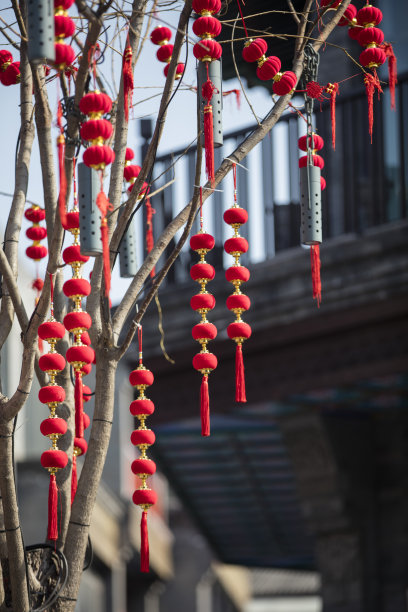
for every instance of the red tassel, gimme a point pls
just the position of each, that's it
(79, 406)
(316, 281)
(208, 91)
(61, 164)
(371, 82)
(149, 230)
(104, 206)
(205, 407)
(127, 79)
(74, 478)
(237, 96)
(240, 395)
(333, 90)
(392, 70)
(53, 509)
(144, 544)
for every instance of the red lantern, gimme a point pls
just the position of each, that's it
(370, 36)
(11, 75)
(369, 16)
(179, 71)
(207, 27)
(5, 59)
(96, 130)
(207, 50)
(254, 50)
(36, 251)
(372, 57)
(64, 27)
(164, 53)
(95, 104)
(268, 68)
(207, 7)
(160, 36)
(284, 83)
(349, 16)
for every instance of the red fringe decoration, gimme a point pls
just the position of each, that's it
(61, 164)
(53, 509)
(74, 478)
(127, 79)
(333, 90)
(237, 96)
(371, 82)
(144, 544)
(79, 405)
(240, 395)
(207, 91)
(205, 407)
(316, 281)
(149, 231)
(104, 206)
(392, 70)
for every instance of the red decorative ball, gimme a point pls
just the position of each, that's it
(38, 284)
(369, 16)
(129, 154)
(368, 36)
(63, 5)
(85, 339)
(348, 16)
(131, 172)
(322, 183)
(317, 161)
(202, 301)
(354, 32)
(80, 354)
(236, 216)
(269, 68)
(207, 6)
(5, 59)
(237, 273)
(98, 156)
(160, 35)
(53, 426)
(50, 394)
(77, 320)
(95, 103)
(200, 242)
(86, 393)
(77, 286)
(72, 220)
(80, 445)
(141, 377)
(143, 466)
(202, 271)
(35, 214)
(204, 361)
(72, 254)
(164, 53)
(208, 26)
(51, 330)
(87, 420)
(207, 50)
(54, 459)
(36, 233)
(145, 189)
(144, 497)
(316, 142)
(239, 301)
(86, 369)
(64, 55)
(204, 331)
(36, 252)
(236, 245)
(372, 58)
(254, 50)
(11, 76)
(239, 330)
(141, 406)
(64, 26)
(179, 71)
(96, 128)
(285, 84)
(142, 436)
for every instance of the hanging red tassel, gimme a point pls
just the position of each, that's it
(61, 164)
(53, 509)
(240, 395)
(392, 70)
(149, 231)
(237, 96)
(371, 82)
(333, 90)
(127, 79)
(74, 478)
(205, 407)
(104, 206)
(144, 544)
(79, 405)
(208, 91)
(316, 281)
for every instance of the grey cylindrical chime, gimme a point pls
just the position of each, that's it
(310, 205)
(89, 214)
(40, 22)
(214, 72)
(127, 252)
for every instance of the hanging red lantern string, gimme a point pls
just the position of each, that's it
(238, 303)
(161, 36)
(64, 28)
(54, 427)
(202, 303)
(97, 156)
(143, 467)
(392, 70)
(35, 215)
(9, 70)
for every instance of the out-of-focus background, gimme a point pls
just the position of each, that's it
(298, 501)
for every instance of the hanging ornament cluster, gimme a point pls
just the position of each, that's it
(161, 36)
(238, 302)
(52, 363)
(64, 28)
(268, 67)
(9, 70)
(142, 437)
(36, 233)
(313, 143)
(207, 50)
(131, 172)
(204, 362)
(98, 155)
